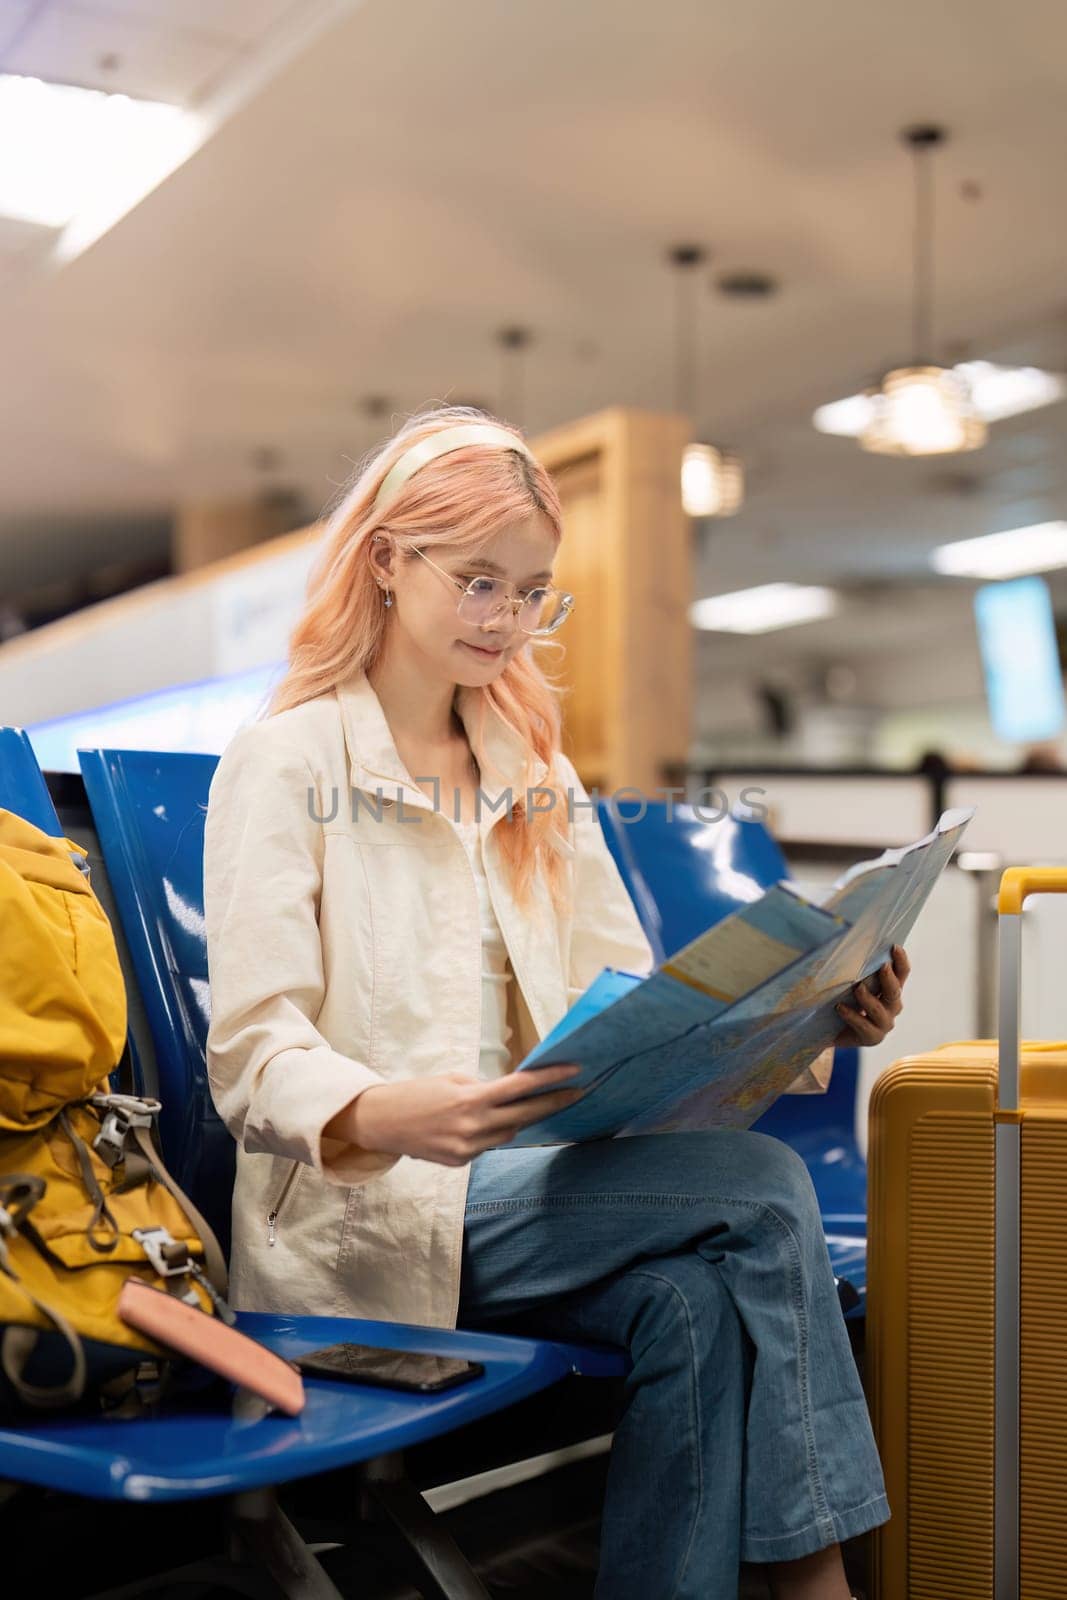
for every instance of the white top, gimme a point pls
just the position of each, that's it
(496, 967)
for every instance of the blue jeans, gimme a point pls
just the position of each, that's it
(744, 1433)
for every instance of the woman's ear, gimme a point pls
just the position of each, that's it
(381, 557)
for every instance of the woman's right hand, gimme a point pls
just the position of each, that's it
(450, 1117)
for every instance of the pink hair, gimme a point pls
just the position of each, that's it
(461, 499)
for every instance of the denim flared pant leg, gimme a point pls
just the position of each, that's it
(744, 1433)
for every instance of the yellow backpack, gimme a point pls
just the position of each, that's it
(85, 1200)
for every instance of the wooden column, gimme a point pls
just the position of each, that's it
(210, 531)
(626, 559)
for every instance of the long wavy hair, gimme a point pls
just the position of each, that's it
(462, 499)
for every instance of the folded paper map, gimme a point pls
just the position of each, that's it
(715, 1034)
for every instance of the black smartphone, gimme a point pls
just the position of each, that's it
(392, 1369)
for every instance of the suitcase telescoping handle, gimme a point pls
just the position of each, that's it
(1016, 885)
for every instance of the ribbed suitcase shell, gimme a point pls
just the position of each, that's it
(930, 1321)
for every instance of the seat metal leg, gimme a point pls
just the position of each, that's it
(262, 1536)
(439, 1561)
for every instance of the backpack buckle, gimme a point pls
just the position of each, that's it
(124, 1111)
(168, 1255)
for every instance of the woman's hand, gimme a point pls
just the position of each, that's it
(450, 1117)
(874, 1015)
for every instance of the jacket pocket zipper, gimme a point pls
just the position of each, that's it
(272, 1214)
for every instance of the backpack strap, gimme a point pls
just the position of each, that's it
(17, 1346)
(101, 1214)
(214, 1262)
(20, 1192)
(130, 1117)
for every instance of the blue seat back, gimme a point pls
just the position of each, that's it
(22, 786)
(686, 873)
(149, 810)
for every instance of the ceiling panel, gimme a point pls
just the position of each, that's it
(246, 20)
(69, 45)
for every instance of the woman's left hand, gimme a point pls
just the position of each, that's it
(873, 1016)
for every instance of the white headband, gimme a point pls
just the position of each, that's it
(439, 444)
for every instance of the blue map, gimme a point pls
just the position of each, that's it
(715, 1034)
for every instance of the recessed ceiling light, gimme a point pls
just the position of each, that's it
(1037, 548)
(997, 392)
(765, 608)
(747, 285)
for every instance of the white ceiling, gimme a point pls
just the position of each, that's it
(173, 50)
(419, 175)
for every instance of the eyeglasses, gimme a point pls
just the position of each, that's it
(540, 611)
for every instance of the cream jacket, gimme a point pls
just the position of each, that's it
(343, 952)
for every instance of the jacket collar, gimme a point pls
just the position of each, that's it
(376, 762)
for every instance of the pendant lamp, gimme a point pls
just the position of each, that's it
(713, 480)
(924, 409)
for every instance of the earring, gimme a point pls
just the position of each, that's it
(388, 596)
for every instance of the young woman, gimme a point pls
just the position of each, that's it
(384, 949)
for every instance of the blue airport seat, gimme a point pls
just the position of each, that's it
(22, 786)
(204, 1451)
(683, 876)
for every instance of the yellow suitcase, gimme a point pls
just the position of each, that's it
(967, 1305)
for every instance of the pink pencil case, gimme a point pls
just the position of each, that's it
(205, 1339)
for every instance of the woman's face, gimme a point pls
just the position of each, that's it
(425, 615)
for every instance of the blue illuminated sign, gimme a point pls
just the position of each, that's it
(1017, 637)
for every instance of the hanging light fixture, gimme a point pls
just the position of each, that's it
(924, 409)
(713, 479)
(513, 342)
